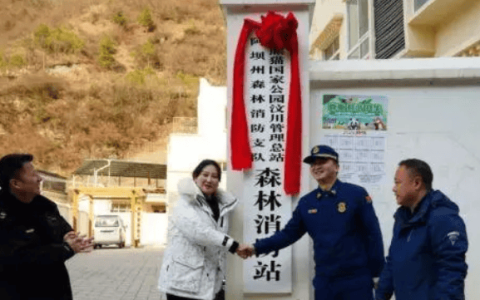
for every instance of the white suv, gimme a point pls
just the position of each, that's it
(109, 229)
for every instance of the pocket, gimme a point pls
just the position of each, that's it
(186, 273)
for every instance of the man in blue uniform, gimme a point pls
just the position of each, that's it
(426, 259)
(340, 219)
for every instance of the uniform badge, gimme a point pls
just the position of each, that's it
(312, 211)
(369, 199)
(315, 150)
(319, 195)
(453, 236)
(342, 207)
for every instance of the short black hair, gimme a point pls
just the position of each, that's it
(203, 164)
(417, 167)
(9, 166)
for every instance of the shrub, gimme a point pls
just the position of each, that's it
(42, 36)
(120, 19)
(147, 56)
(107, 49)
(66, 41)
(58, 39)
(145, 19)
(139, 76)
(17, 60)
(148, 49)
(192, 29)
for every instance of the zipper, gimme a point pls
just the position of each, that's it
(203, 206)
(228, 206)
(410, 235)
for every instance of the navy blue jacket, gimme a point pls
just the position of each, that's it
(344, 228)
(426, 259)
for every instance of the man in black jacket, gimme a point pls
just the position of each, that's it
(35, 241)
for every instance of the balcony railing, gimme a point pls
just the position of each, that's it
(436, 12)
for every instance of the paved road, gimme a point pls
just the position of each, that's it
(116, 274)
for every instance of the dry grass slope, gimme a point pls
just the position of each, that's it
(59, 99)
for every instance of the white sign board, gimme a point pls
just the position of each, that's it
(267, 208)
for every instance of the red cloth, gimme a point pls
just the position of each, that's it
(277, 32)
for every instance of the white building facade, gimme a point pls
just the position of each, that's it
(186, 150)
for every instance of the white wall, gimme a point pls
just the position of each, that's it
(154, 229)
(433, 118)
(185, 151)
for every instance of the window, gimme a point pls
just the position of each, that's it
(358, 29)
(57, 186)
(159, 208)
(332, 52)
(120, 207)
(106, 221)
(419, 3)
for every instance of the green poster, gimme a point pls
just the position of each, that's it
(355, 112)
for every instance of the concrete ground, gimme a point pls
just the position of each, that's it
(116, 274)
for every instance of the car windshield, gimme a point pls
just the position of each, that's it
(106, 222)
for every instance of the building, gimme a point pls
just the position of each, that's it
(54, 187)
(133, 190)
(195, 139)
(380, 29)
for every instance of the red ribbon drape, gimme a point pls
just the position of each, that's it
(277, 32)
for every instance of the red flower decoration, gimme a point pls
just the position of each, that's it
(276, 30)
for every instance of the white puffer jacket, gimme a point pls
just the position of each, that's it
(195, 258)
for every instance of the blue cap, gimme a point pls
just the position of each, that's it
(321, 151)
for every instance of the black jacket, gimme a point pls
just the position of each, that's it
(32, 250)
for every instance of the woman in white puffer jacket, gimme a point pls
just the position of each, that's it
(195, 258)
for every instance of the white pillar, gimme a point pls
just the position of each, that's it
(235, 13)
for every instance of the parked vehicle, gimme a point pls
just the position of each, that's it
(108, 230)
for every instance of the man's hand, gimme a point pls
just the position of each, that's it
(79, 244)
(245, 251)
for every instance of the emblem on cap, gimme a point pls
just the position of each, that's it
(342, 207)
(315, 150)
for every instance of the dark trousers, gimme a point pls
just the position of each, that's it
(173, 297)
(347, 288)
(220, 296)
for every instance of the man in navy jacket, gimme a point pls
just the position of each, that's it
(340, 219)
(426, 259)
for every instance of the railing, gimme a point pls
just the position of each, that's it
(184, 125)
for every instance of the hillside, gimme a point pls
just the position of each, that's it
(102, 78)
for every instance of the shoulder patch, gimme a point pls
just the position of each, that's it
(453, 236)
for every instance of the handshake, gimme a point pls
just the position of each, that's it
(245, 251)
